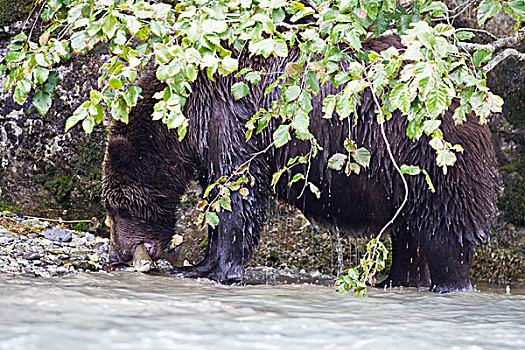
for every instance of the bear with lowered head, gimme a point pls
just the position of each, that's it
(147, 169)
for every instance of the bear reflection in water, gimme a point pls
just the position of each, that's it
(147, 169)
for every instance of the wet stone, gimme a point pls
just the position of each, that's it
(77, 242)
(58, 235)
(55, 252)
(31, 256)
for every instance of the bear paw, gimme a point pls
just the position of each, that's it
(214, 273)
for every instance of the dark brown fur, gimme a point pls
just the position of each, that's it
(147, 170)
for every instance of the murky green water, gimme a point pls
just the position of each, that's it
(134, 311)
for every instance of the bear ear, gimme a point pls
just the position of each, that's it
(120, 154)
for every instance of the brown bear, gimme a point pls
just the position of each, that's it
(147, 169)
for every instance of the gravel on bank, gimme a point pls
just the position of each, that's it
(45, 249)
(35, 247)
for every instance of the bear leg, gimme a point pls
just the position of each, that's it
(449, 262)
(409, 267)
(231, 243)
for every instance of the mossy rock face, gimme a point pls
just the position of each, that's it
(502, 258)
(11, 11)
(508, 130)
(44, 171)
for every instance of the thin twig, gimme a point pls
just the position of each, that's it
(57, 220)
(391, 155)
(31, 13)
(34, 23)
(307, 171)
(486, 32)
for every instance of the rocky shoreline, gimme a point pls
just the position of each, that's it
(35, 247)
(45, 249)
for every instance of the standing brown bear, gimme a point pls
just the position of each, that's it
(147, 170)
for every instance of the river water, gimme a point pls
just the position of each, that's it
(136, 311)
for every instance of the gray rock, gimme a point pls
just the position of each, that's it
(90, 237)
(61, 271)
(77, 242)
(58, 235)
(31, 256)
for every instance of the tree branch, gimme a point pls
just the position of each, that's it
(501, 57)
(503, 48)
(497, 45)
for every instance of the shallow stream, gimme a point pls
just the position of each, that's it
(136, 311)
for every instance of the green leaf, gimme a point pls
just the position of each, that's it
(226, 203)
(253, 77)
(460, 115)
(400, 98)
(133, 24)
(429, 126)
(329, 104)
(481, 56)
(276, 176)
(229, 64)
(80, 114)
(487, 9)
(41, 74)
(52, 81)
(22, 90)
(191, 73)
(78, 41)
(110, 26)
(212, 219)
(292, 93)
(239, 90)
(300, 122)
(315, 190)
(15, 56)
(281, 49)
(437, 100)
(382, 23)
(281, 136)
(516, 9)
(350, 145)
(295, 178)
(312, 83)
(445, 158)
(88, 124)
(410, 169)
(42, 102)
(337, 161)
(353, 39)
(115, 83)
(362, 157)
(464, 35)
(175, 120)
(305, 101)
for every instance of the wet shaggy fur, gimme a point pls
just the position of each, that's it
(147, 169)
